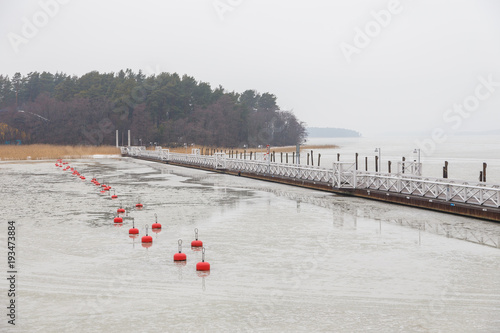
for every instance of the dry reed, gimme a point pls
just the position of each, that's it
(43, 151)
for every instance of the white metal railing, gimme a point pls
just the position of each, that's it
(342, 176)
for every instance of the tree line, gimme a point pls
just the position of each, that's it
(164, 108)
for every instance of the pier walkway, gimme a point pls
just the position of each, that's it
(406, 186)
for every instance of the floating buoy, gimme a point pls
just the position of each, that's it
(139, 205)
(203, 265)
(97, 183)
(120, 210)
(196, 242)
(156, 225)
(118, 219)
(104, 185)
(133, 231)
(107, 188)
(82, 177)
(114, 196)
(180, 256)
(147, 241)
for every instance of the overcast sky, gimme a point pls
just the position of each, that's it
(373, 66)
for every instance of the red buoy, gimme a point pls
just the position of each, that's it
(180, 256)
(114, 196)
(104, 185)
(97, 183)
(196, 242)
(133, 230)
(139, 205)
(82, 177)
(147, 239)
(120, 210)
(118, 219)
(156, 225)
(203, 265)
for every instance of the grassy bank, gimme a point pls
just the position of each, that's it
(42, 152)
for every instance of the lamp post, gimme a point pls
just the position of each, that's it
(417, 151)
(379, 151)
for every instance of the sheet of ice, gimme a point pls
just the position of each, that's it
(283, 258)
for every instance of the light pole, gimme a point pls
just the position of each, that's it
(379, 151)
(417, 151)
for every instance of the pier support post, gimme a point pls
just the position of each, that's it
(286, 158)
(319, 159)
(376, 163)
(481, 176)
(312, 158)
(338, 157)
(281, 157)
(445, 169)
(403, 165)
(484, 171)
(366, 163)
(307, 158)
(356, 157)
(293, 157)
(389, 166)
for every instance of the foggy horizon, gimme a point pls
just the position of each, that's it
(374, 67)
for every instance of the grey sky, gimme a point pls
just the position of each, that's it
(427, 57)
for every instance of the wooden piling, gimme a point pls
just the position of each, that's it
(366, 163)
(319, 159)
(312, 158)
(376, 163)
(484, 171)
(389, 166)
(338, 157)
(286, 158)
(293, 157)
(445, 169)
(356, 157)
(281, 157)
(307, 158)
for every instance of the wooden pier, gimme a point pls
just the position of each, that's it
(406, 187)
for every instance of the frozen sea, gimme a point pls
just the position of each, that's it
(283, 258)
